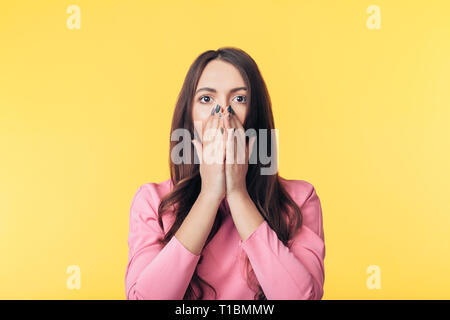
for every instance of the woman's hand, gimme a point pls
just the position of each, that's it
(211, 153)
(237, 154)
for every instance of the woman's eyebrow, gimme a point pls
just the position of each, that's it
(214, 90)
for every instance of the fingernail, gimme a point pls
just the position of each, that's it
(230, 109)
(213, 110)
(221, 130)
(217, 109)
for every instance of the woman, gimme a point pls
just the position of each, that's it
(220, 228)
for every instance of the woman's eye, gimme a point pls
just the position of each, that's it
(208, 99)
(241, 99)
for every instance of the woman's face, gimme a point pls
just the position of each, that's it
(221, 82)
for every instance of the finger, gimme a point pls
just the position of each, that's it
(226, 126)
(233, 140)
(223, 138)
(238, 125)
(198, 148)
(212, 125)
(227, 123)
(227, 118)
(238, 122)
(251, 145)
(210, 116)
(206, 126)
(231, 143)
(196, 134)
(215, 118)
(240, 146)
(240, 129)
(217, 136)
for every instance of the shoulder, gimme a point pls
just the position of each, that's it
(305, 195)
(299, 190)
(150, 193)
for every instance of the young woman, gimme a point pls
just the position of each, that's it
(221, 228)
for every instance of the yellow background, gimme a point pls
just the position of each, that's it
(363, 115)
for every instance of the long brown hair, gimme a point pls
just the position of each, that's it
(266, 191)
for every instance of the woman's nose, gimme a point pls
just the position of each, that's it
(223, 103)
(219, 108)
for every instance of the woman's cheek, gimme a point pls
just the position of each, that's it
(241, 114)
(201, 114)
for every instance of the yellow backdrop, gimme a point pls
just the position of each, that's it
(361, 98)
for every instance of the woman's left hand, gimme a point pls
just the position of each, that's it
(237, 155)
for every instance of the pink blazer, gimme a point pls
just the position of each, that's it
(295, 272)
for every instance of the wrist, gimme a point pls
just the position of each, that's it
(237, 194)
(210, 197)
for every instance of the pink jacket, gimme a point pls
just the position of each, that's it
(284, 273)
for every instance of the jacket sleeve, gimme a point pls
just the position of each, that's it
(295, 272)
(153, 272)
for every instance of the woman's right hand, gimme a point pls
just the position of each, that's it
(211, 154)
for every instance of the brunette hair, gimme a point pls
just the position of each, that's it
(266, 191)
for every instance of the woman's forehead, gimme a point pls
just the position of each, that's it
(220, 76)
